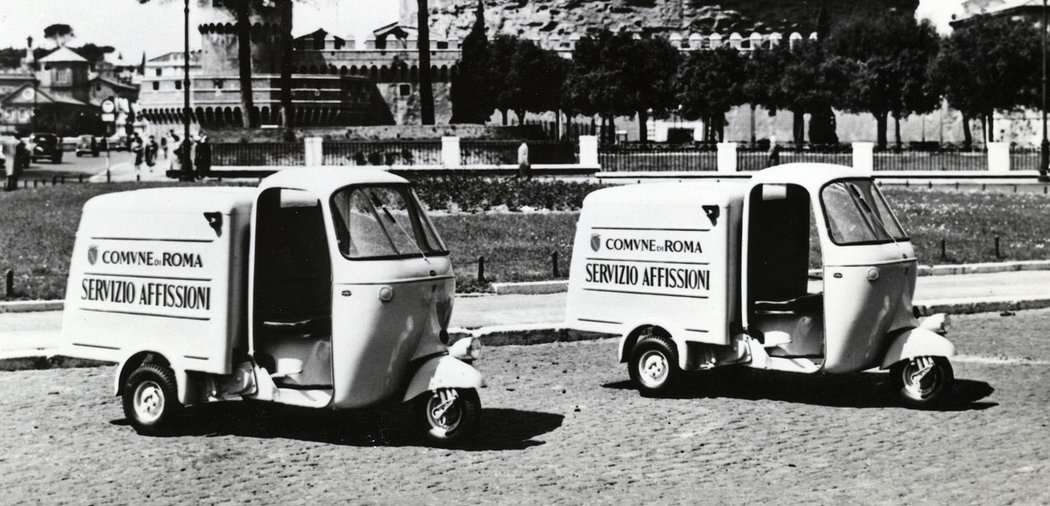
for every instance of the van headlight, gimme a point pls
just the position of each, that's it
(467, 349)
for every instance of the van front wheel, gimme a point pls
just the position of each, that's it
(654, 366)
(150, 399)
(923, 382)
(448, 416)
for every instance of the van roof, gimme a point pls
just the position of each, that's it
(325, 180)
(812, 176)
(225, 199)
(688, 194)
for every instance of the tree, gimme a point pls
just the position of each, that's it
(59, 34)
(646, 73)
(986, 66)
(471, 92)
(506, 94)
(889, 51)
(426, 88)
(287, 54)
(709, 84)
(762, 73)
(812, 81)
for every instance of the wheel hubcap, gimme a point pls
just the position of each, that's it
(921, 377)
(148, 401)
(653, 368)
(443, 410)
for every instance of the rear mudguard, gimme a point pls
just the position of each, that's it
(443, 372)
(182, 380)
(917, 342)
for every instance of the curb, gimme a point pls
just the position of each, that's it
(543, 333)
(25, 306)
(531, 287)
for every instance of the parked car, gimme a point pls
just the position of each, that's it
(46, 146)
(86, 144)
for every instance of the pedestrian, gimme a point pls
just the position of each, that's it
(524, 169)
(22, 156)
(164, 145)
(175, 163)
(151, 152)
(10, 165)
(774, 152)
(202, 157)
(138, 150)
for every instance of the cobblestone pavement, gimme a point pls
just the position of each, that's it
(562, 426)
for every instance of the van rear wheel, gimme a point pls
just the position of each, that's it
(448, 416)
(151, 399)
(653, 366)
(923, 382)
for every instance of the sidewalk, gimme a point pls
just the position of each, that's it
(125, 173)
(39, 334)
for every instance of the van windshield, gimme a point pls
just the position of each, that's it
(378, 222)
(857, 213)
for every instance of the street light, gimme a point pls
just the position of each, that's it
(1044, 148)
(187, 160)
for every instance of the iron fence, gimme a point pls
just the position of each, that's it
(658, 158)
(1024, 159)
(753, 159)
(929, 161)
(382, 153)
(257, 154)
(505, 152)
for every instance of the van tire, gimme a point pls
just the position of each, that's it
(151, 399)
(653, 366)
(445, 432)
(931, 391)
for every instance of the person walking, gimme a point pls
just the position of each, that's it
(138, 150)
(175, 163)
(164, 145)
(524, 168)
(773, 157)
(151, 152)
(202, 157)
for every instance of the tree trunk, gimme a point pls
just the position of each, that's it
(798, 127)
(612, 129)
(244, 61)
(991, 127)
(753, 137)
(520, 113)
(881, 121)
(557, 124)
(504, 113)
(286, 63)
(897, 130)
(426, 88)
(643, 126)
(967, 135)
(603, 134)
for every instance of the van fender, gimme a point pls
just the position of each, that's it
(127, 366)
(443, 372)
(628, 340)
(917, 342)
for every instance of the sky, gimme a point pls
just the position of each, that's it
(156, 28)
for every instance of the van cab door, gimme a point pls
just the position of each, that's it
(290, 290)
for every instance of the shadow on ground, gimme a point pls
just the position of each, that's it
(856, 390)
(500, 430)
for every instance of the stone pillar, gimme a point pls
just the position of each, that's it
(450, 158)
(864, 156)
(589, 150)
(999, 157)
(313, 155)
(727, 157)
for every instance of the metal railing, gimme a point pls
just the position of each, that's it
(257, 154)
(382, 153)
(657, 158)
(505, 152)
(753, 159)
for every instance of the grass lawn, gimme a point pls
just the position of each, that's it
(38, 227)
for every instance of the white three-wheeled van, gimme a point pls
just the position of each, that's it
(699, 275)
(323, 288)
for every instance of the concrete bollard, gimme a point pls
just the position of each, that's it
(999, 157)
(864, 156)
(589, 151)
(727, 157)
(450, 153)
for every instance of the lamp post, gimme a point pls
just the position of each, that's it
(1044, 148)
(187, 160)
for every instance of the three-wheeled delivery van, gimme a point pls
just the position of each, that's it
(699, 275)
(322, 288)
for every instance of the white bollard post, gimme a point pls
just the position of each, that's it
(864, 156)
(314, 151)
(589, 150)
(999, 157)
(450, 156)
(727, 157)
